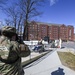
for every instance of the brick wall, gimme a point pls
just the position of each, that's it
(38, 31)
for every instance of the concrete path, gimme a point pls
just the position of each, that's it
(32, 55)
(51, 65)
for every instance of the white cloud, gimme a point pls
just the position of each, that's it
(52, 2)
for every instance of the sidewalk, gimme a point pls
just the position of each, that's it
(32, 55)
(51, 65)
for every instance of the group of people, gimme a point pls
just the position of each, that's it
(11, 51)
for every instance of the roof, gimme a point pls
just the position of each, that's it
(49, 24)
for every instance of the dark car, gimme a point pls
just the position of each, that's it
(39, 48)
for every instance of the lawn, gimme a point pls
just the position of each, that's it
(67, 59)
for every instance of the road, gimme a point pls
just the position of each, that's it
(68, 44)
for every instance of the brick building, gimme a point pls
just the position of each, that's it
(44, 30)
(63, 32)
(74, 37)
(53, 32)
(70, 32)
(33, 31)
(38, 30)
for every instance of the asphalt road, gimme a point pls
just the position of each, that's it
(68, 44)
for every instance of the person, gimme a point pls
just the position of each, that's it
(11, 53)
(23, 47)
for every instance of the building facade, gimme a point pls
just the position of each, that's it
(33, 31)
(38, 30)
(70, 32)
(53, 32)
(63, 32)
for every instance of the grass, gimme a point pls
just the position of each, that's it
(33, 59)
(67, 59)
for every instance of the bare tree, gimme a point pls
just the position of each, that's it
(15, 16)
(21, 12)
(2, 3)
(30, 9)
(7, 21)
(12, 14)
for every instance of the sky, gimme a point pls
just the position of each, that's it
(55, 11)
(59, 11)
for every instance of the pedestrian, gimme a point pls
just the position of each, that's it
(11, 53)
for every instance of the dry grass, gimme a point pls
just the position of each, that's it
(67, 59)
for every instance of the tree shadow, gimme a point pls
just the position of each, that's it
(58, 72)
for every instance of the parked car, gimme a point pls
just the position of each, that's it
(39, 48)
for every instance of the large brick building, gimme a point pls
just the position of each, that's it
(38, 30)
(53, 32)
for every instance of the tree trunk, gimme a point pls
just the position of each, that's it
(25, 33)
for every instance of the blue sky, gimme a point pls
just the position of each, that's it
(56, 11)
(59, 11)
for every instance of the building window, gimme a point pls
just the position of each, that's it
(70, 32)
